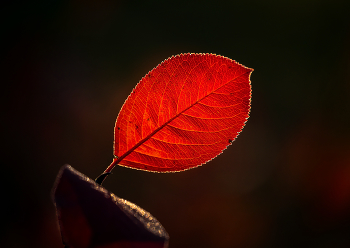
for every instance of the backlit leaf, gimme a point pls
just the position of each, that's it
(183, 113)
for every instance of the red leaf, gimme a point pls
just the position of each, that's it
(91, 217)
(183, 113)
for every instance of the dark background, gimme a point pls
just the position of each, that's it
(68, 66)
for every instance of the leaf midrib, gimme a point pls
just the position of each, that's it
(119, 159)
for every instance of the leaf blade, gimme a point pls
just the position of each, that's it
(174, 104)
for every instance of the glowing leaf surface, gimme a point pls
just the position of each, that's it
(183, 113)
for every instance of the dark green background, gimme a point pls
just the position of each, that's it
(68, 66)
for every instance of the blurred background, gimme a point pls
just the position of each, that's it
(68, 66)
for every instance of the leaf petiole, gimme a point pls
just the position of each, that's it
(99, 180)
